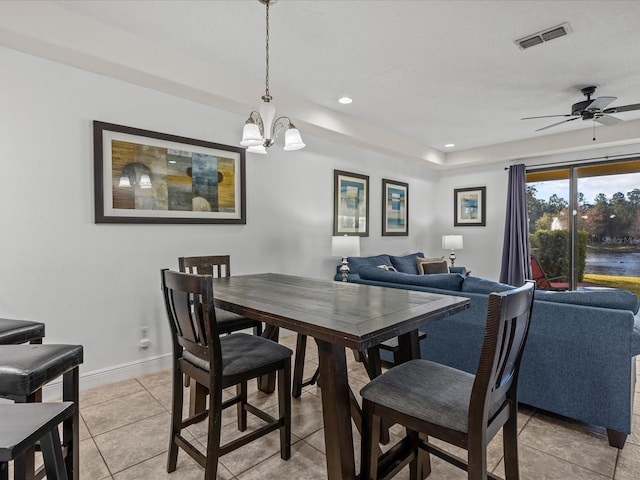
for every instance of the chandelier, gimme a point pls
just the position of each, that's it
(260, 130)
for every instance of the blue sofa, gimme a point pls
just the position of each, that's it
(579, 357)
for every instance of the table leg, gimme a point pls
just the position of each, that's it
(336, 412)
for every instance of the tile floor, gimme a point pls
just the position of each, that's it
(125, 428)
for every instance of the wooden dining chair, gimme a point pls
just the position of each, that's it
(454, 406)
(218, 362)
(219, 266)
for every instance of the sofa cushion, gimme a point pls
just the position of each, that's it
(443, 281)
(427, 267)
(406, 263)
(356, 262)
(482, 285)
(590, 297)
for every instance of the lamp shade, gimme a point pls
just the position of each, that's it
(293, 140)
(251, 135)
(257, 149)
(452, 242)
(345, 246)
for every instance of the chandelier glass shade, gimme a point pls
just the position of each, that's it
(262, 127)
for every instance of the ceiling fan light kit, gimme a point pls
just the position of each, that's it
(591, 109)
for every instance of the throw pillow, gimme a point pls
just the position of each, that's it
(426, 266)
(387, 267)
(406, 263)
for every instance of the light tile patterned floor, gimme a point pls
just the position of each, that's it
(125, 428)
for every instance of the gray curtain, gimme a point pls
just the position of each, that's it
(516, 266)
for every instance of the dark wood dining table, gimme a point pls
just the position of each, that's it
(338, 315)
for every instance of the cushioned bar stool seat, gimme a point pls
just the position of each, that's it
(24, 424)
(20, 331)
(24, 370)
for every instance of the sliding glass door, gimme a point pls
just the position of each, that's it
(584, 224)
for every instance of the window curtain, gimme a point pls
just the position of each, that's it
(516, 266)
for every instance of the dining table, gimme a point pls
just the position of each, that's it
(338, 315)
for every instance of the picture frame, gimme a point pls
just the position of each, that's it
(141, 176)
(469, 207)
(395, 208)
(350, 204)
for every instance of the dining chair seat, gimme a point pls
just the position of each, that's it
(232, 322)
(439, 394)
(20, 331)
(243, 353)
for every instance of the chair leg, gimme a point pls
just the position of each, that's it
(510, 447)
(213, 439)
(52, 453)
(298, 369)
(257, 330)
(369, 440)
(415, 468)
(477, 465)
(176, 418)
(284, 409)
(71, 425)
(241, 391)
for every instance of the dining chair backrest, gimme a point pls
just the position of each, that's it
(192, 318)
(508, 319)
(217, 265)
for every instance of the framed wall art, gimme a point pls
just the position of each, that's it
(395, 208)
(469, 207)
(350, 204)
(142, 176)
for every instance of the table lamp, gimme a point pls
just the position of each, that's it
(452, 242)
(345, 246)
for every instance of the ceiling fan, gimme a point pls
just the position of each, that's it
(591, 110)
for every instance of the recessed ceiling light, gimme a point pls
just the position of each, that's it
(345, 100)
(449, 145)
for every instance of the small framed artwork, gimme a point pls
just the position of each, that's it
(395, 208)
(469, 207)
(150, 177)
(350, 204)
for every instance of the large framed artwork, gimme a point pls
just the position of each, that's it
(150, 177)
(350, 204)
(395, 208)
(469, 205)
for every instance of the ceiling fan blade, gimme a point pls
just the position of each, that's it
(558, 123)
(600, 102)
(547, 116)
(623, 108)
(607, 120)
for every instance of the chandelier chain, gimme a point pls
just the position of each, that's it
(266, 93)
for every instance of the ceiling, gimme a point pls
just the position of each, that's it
(421, 73)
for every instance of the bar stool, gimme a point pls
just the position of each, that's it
(24, 370)
(24, 424)
(20, 331)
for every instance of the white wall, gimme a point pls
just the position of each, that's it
(97, 284)
(482, 251)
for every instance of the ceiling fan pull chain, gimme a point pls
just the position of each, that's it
(594, 129)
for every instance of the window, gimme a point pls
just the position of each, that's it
(584, 223)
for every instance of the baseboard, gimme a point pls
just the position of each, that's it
(105, 376)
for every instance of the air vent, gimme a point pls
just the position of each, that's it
(544, 36)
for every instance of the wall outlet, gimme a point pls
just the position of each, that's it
(144, 338)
